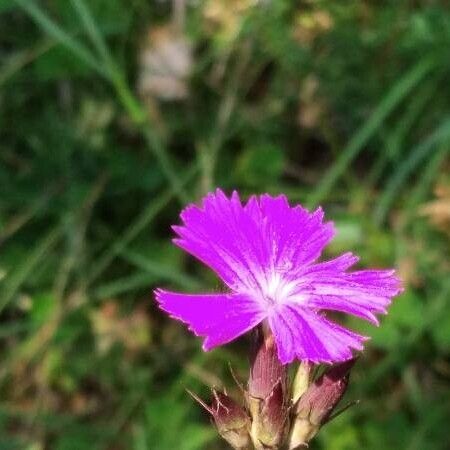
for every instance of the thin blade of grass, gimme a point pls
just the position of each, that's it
(93, 31)
(55, 31)
(429, 175)
(165, 163)
(397, 93)
(14, 282)
(395, 141)
(123, 285)
(417, 155)
(15, 63)
(142, 221)
(161, 272)
(21, 219)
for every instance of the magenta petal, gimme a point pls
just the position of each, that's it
(297, 236)
(363, 293)
(219, 318)
(227, 238)
(303, 334)
(333, 266)
(349, 305)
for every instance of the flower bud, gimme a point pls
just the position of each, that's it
(267, 394)
(316, 405)
(231, 419)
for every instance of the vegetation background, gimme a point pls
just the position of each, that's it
(116, 113)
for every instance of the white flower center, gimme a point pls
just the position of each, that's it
(276, 290)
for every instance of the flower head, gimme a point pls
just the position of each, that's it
(266, 253)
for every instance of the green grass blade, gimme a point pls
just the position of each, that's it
(417, 155)
(56, 32)
(429, 175)
(123, 285)
(160, 271)
(15, 63)
(94, 33)
(396, 140)
(14, 281)
(144, 219)
(165, 163)
(397, 93)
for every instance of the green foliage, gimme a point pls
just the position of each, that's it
(260, 166)
(166, 427)
(343, 104)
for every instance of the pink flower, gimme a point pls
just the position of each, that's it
(266, 253)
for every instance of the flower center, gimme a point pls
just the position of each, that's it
(276, 290)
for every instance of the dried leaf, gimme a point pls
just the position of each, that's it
(165, 64)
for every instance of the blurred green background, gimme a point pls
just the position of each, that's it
(114, 114)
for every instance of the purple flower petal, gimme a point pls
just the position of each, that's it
(219, 318)
(297, 237)
(363, 293)
(226, 238)
(303, 334)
